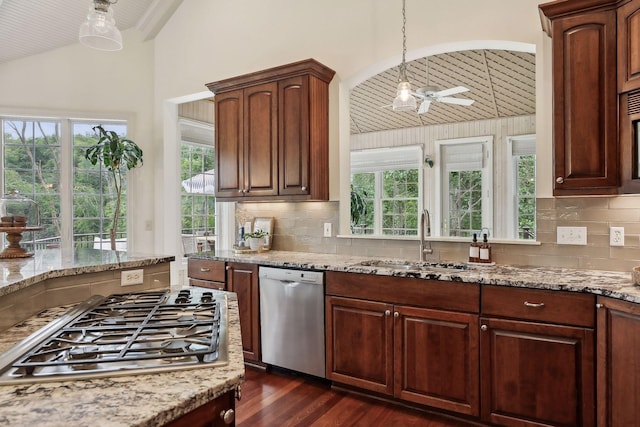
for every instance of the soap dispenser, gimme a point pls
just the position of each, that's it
(474, 249)
(485, 250)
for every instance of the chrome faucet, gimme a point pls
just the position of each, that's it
(424, 230)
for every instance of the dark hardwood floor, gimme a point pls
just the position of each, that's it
(286, 400)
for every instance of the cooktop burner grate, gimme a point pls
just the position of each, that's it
(123, 334)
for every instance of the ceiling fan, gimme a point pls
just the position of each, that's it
(433, 93)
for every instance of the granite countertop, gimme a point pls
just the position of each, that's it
(137, 400)
(613, 284)
(19, 273)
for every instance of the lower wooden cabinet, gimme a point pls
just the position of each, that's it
(243, 280)
(207, 273)
(618, 369)
(419, 355)
(535, 374)
(217, 413)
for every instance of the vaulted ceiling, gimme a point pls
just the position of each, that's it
(502, 84)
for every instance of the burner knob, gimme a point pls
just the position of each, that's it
(228, 416)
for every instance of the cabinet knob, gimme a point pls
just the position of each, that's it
(484, 327)
(533, 304)
(560, 180)
(227, 268)
(396, 314)
(387, 313)
(599, 305)
(304, 188)
(228, 416)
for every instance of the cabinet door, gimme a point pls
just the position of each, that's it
(585, 104)
(210, 414)
(618, 363)
(293, 125)
(243, 280)
(360, 343)
(629, 46)
(436, 359)
(535, 374)
(229, 142)
(261, 140)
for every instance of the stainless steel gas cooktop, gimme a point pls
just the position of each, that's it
(124, 334)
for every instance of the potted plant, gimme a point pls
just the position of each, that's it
(115, 153)
(358, 205)
(256, 239)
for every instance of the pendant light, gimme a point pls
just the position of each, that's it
(99, 31)
(404, 100)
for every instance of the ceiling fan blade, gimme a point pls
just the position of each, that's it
(386, 106)
(424, 106)
(458, 101)
(452, 91)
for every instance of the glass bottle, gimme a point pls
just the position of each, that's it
(474, 249)
(485, 250)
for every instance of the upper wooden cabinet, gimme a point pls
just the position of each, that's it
(585, 118)
(272, 133)
(629, 46)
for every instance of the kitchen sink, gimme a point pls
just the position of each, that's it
(415, 266)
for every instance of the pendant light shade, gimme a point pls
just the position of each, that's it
(99, 31)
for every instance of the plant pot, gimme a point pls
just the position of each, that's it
(255, 243)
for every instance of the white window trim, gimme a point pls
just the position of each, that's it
(411, 150)
(512, 207)
(487, 182)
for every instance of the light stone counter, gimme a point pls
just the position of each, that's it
(607, 283)
(137, 400)
(20, 273)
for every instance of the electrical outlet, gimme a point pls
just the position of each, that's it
(571, 235)
(616, 236)
(132, 277)
(327, 229)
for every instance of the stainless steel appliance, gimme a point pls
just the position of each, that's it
(123, 334)
(292, 319)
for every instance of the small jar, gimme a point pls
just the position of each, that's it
(18, 211)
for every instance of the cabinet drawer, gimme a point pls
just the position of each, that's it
(207, 270)
(539, 305)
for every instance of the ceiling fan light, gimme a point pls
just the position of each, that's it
(99, 31)
(404, 101)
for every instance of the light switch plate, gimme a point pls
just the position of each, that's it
(571, 235)
(327, 229)
(616, 236)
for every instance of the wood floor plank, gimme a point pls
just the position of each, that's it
(281, 399)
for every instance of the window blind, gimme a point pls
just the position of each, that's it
(391, 158)
(462, 157)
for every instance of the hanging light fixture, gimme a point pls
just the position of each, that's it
(99, 31)
(404, 100)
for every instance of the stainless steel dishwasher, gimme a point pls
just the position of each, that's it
(292, 319)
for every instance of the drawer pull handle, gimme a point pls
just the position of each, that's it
(204, 270)
(534, 304)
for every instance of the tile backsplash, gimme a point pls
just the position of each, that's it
(299, 227)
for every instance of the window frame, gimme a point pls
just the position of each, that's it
(401, 154)
(439, 218)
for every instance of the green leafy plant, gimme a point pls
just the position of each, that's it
(256, 234)
(358, 205)
(116, 154)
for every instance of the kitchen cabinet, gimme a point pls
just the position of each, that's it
(618, 368)
(243, 280)
(217, 413)
(629, 46)
(207, 273)
(272, 133)
(412, 339)
(585, 102)
(537, 357)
